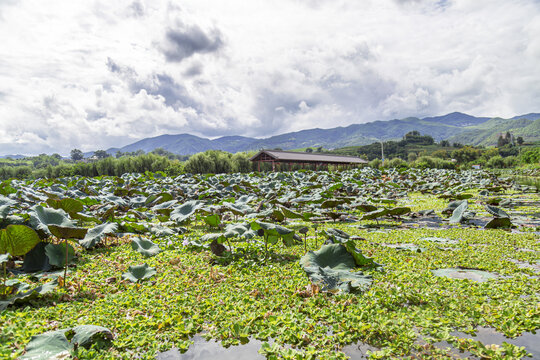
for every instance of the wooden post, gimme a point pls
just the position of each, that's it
(273, 166)
(259, 166)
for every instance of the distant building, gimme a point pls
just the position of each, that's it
(291, 157)
(476, 167)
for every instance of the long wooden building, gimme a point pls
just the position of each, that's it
(278, 157)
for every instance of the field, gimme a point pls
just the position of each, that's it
(414, 264)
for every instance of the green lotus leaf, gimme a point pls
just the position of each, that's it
(399, 211)
(183, 212)
(96, 234)
(459, 213)
(499, 223)
(145, 246)
(57, 254)
(495, 211)
(60, 344)
(374, 214)
(139, 272)
(4, 258)
(290, 214)
(160, 231)
(69, 205)
(212, 220)
(36, 259)
(28, 295)
(17, 240)
(68, 232)
(50, 345)
(41, 218)
(331, 267)
(86, 335)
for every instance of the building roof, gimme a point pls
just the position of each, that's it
(292, 156)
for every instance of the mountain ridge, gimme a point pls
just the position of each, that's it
(455, 127)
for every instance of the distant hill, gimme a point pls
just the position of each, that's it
(456, 127)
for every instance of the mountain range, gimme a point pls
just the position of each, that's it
(455, 127)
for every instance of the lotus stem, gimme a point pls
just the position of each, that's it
(66, 265)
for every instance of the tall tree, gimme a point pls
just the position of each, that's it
(76, 155)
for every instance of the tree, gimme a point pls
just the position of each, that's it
(76, 155)
(319, 149)
(520, 140)
(445, 143)
(309, 150)
(101, 154)
(501, 141)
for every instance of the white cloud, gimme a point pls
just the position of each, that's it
(100, 74)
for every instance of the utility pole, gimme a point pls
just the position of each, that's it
(382, 151)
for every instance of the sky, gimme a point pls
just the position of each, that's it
(99, 74)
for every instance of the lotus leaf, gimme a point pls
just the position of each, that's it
(41, 218)
(375, 214)
(57, 254)
(499, 223)
(17, 240)
(331, 266)
(145, 246)
(96, 234)
(68, 232)
(139, 272)
(212, 220)
(28, 295)
(36, 259)
(183, 212)
(458, 213)
(69, 205)
(59, 344)
(495, 211)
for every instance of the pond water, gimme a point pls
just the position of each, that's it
(202, 349)
(488, 336)
(358, 351)
(462, 273)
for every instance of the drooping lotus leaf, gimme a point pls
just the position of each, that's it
(68, 232)
(399, 211)
(159, 231)
(139, 272)
(238, 208)
(17, 240)
(69, 205)
(495, 211)
(59, 344)
(278, 215)
(182, 212)
(290, 214)
(374, 214)
(86, 335)
(4, 258)
(145, 246)
(96, 234)
(41, 218)
(364, 207)
(212, 220)
(359, 258)
(57, 254)
(36, 259)
(464, 273)
(458, 213)
(50, 345)
(331, 266)
(336, 235)
(499, 223)
(28, 295)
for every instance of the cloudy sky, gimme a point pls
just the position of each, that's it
(96, 74)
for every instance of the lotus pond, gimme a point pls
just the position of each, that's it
(414, 264)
